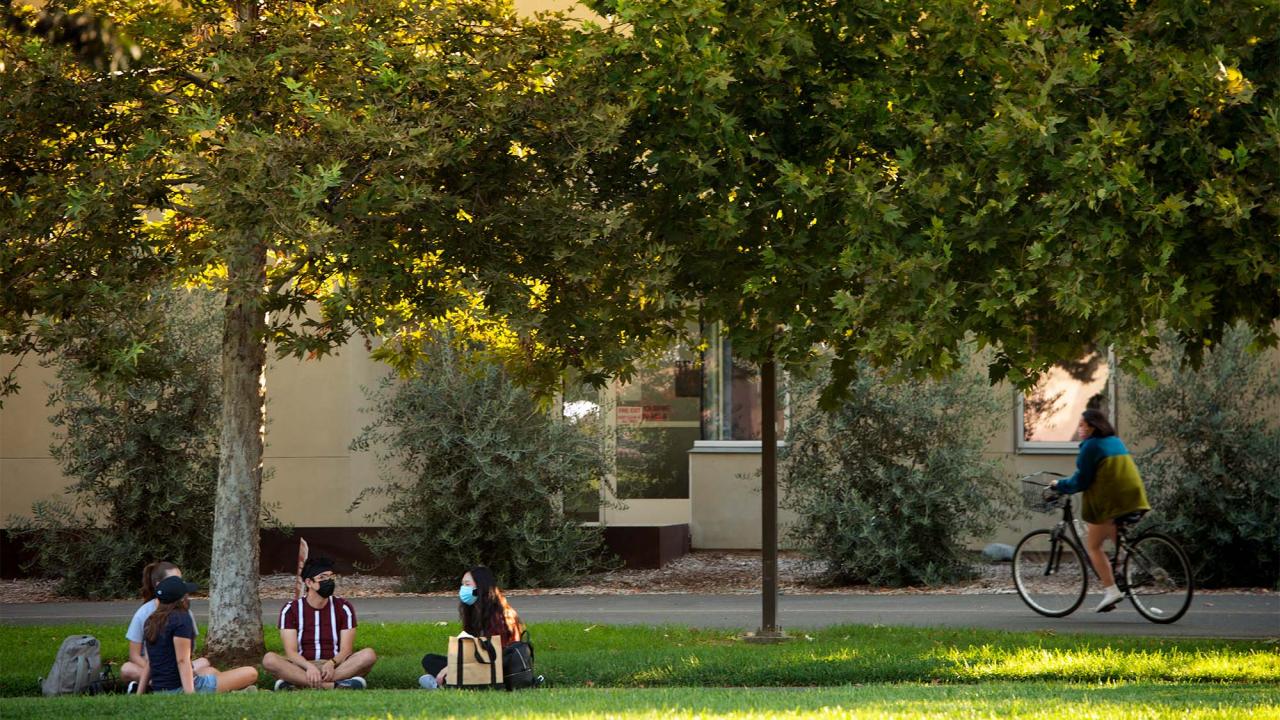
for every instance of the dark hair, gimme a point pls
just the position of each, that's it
(1097, 420)
(490, 610)
(160, 618)
(316, 565)
(152, 574)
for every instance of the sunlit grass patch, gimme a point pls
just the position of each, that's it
(990, 662)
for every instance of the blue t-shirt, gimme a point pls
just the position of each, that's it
(164, 660)
(139, 622)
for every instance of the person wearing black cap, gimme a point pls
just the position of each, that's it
(318, 632)
(169, 636)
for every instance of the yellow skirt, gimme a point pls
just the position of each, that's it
(1116, 490)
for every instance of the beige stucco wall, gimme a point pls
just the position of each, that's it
(573, 9)
(27, 473)
(724, 495)
(314, 410)
(648, 512)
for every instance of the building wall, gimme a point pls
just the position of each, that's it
(315, 409)
(27, 472)
(724, 492)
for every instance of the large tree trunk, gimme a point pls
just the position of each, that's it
(235, 610)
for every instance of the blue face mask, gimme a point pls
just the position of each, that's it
(467, 595)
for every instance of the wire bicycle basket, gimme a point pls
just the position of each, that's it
(1038, 497)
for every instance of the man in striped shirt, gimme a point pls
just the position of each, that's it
(318, 632)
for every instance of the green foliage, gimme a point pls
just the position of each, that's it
(476, 472)
(891, 484)
(895, 178)
(78, 165)
(1212, 474)
(143, 455)
(400, 165)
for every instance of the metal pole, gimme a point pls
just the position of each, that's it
(769, 497)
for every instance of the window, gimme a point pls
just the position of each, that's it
(1049, 414)
(731, 394)
(657, 423)
(650, 424)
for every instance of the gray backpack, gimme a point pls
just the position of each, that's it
(77, 669)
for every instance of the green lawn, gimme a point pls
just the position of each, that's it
(579, 655)
(1041, 701)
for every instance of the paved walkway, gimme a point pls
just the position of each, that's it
(1225, 616)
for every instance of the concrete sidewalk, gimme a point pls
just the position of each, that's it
(1222, 616)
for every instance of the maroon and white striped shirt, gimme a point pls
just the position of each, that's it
(318, 629)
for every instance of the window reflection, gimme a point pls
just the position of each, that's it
(731, 393)
(1051, 411)
(657, 424)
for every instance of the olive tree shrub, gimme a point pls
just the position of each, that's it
(142, 453)
(891, 485)
(1213, 472)
(475, 471)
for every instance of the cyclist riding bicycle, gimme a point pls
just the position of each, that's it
(1112, 487)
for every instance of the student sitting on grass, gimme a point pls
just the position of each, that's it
(136, 665)
(318, 632)
(484, 613)
(169, 634)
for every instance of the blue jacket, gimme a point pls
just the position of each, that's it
(1109, 479)
(1092, 452)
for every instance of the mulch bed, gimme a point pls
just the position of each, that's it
(702, 572)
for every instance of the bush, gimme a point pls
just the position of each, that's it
(890, 486)
(142, 453)
(1212, 476)
(475, 472)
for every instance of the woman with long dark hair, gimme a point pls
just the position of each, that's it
(1112, 487)
(169, 635)
(152, 575)
(484, 612)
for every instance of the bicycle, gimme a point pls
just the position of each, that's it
(1049, 564)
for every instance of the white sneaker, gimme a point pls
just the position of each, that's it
(133, 687)
(1110, 597)
(428, 682)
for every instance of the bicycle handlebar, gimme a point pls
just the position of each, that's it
(1027, 478)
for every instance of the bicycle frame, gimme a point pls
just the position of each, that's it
(1069, 521)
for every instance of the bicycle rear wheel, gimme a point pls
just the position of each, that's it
(1159, 578)
(1049, 572)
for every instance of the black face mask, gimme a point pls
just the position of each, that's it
(326, 588)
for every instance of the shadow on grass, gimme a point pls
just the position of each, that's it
(1039, 701)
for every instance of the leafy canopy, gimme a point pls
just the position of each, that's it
(392, 165)
(893, 177)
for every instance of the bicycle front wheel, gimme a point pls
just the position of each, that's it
(1049, 572)
(1159, 578)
